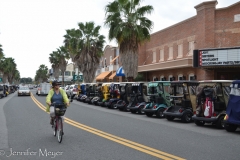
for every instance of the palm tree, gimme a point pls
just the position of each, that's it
(16, 76)
(86, 44)
(55, 64)
(127, 24)
(72, 42)
(63, 57)
(1, 52)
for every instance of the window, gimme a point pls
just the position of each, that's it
(105, 62)
(162, 78)
(110, 59)
(170, 77)
(67, 73)
(154, 57)
(191, 48)
(170, 56)
(180, 51)
(162, 55)
(180, 77)
(191, 77)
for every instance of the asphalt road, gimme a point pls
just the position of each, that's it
(96, 133)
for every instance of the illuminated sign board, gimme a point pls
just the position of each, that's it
(219, 57)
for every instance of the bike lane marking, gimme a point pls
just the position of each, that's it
(128, 143)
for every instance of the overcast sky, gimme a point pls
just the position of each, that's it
(31, 29)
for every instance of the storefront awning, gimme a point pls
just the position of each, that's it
(103, 75)
(113, 75)
(120, 72)
(114, 59)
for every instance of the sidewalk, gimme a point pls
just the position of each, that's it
(3, 126)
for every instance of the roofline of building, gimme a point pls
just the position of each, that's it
(175, 25)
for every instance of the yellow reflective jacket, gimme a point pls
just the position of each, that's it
(49, 97)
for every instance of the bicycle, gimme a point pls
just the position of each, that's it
(59, 110)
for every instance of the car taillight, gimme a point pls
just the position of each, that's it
(194, 112)
(155, 107)
(180, 110)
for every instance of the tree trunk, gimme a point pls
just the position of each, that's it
(129, 61)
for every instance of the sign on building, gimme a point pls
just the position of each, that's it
(216, 57)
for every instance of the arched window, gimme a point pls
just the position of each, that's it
(162, 78)
(192, 77)
(180, 77)
(170, 77)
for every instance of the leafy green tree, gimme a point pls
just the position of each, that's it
(130, 28)
(41, 74)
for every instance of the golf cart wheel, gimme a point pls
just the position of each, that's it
(149, 114)
(187, 117)
(199, 123)
(230, 127)
(113, 105)
(220, 122)
(159, 113)
(140, 110)
(170, 118)
(132, 111)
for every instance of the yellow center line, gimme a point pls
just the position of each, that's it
(131, 144)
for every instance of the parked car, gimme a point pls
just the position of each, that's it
(24, 91)
(212, 99)
(232, 117)
(72, 90)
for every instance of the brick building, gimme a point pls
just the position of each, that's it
(109, 65)
(169, 53)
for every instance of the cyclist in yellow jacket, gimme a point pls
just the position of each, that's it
(57, 95)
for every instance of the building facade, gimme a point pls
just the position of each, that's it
(109, 64)
(169, 53)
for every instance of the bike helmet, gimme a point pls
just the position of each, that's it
(55, 83)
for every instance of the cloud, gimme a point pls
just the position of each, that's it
(31, 30)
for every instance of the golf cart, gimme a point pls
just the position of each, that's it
(232, 118)
(159, 98)
(212, 99)
(98, 94)
(114, 96)
(82, 96)
(91, 89)
(138, 97)
(105, 94)
(183, 101)
(125, 95)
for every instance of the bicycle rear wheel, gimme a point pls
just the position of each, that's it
(59, 129)
(54, 127)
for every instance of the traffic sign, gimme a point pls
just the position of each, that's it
(80, 77)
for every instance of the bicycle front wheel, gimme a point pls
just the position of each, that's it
(59, 129)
